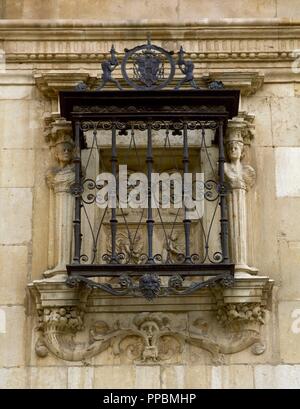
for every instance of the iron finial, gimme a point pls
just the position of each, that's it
(149, 38)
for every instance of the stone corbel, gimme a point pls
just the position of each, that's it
(50, 83)
(248, 82)
(241, 311)
(232, 324)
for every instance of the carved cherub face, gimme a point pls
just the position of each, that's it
(150, 328)
(64, 153)
(235, 150)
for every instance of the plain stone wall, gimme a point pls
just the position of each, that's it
(21, 142)
(151, 377)
(173, 10)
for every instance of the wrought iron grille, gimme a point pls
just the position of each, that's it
(158, 130)
(149, 251)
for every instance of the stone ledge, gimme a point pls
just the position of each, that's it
(54, 293)
(247, 81)
(51, 83)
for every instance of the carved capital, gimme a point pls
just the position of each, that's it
(58, 133)
(240, 132)
(57, 130)
(241, 127)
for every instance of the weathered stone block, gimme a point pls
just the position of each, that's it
(288, 212)
(80, 378)
(147, 377)
(17, 168)
(277, 377)
(289, 263)
(13, 378)
(48, 378)
(14, 124)
(288, 9)
(16, 213)
(173, 377)
(289, 331)
(285, 121)
(232, 377)
(198, 376)
(226, 8)
(115, 377)
(12, 341)
(13, 274)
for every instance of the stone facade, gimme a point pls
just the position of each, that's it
(52, 336)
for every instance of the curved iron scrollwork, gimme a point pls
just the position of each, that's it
(152, 67)
(149, 285)
(148, 67)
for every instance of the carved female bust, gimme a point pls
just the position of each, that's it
(60, 178)
(238, 175)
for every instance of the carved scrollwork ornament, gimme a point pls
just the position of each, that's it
(146, 337)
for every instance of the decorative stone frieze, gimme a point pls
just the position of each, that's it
(228, 322)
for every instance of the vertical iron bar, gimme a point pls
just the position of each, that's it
(186, 222)
(223, 204)
(113, 220)
(78, 186)
(150, 221)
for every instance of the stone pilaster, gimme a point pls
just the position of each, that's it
(59, 179)
(240, 178)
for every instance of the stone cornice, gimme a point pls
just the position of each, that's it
(51, 82)
(267, 45)
(205, 29)
(204, 23)
(248, 82)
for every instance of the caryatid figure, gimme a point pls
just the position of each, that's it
(240, 178)
(60, 179)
